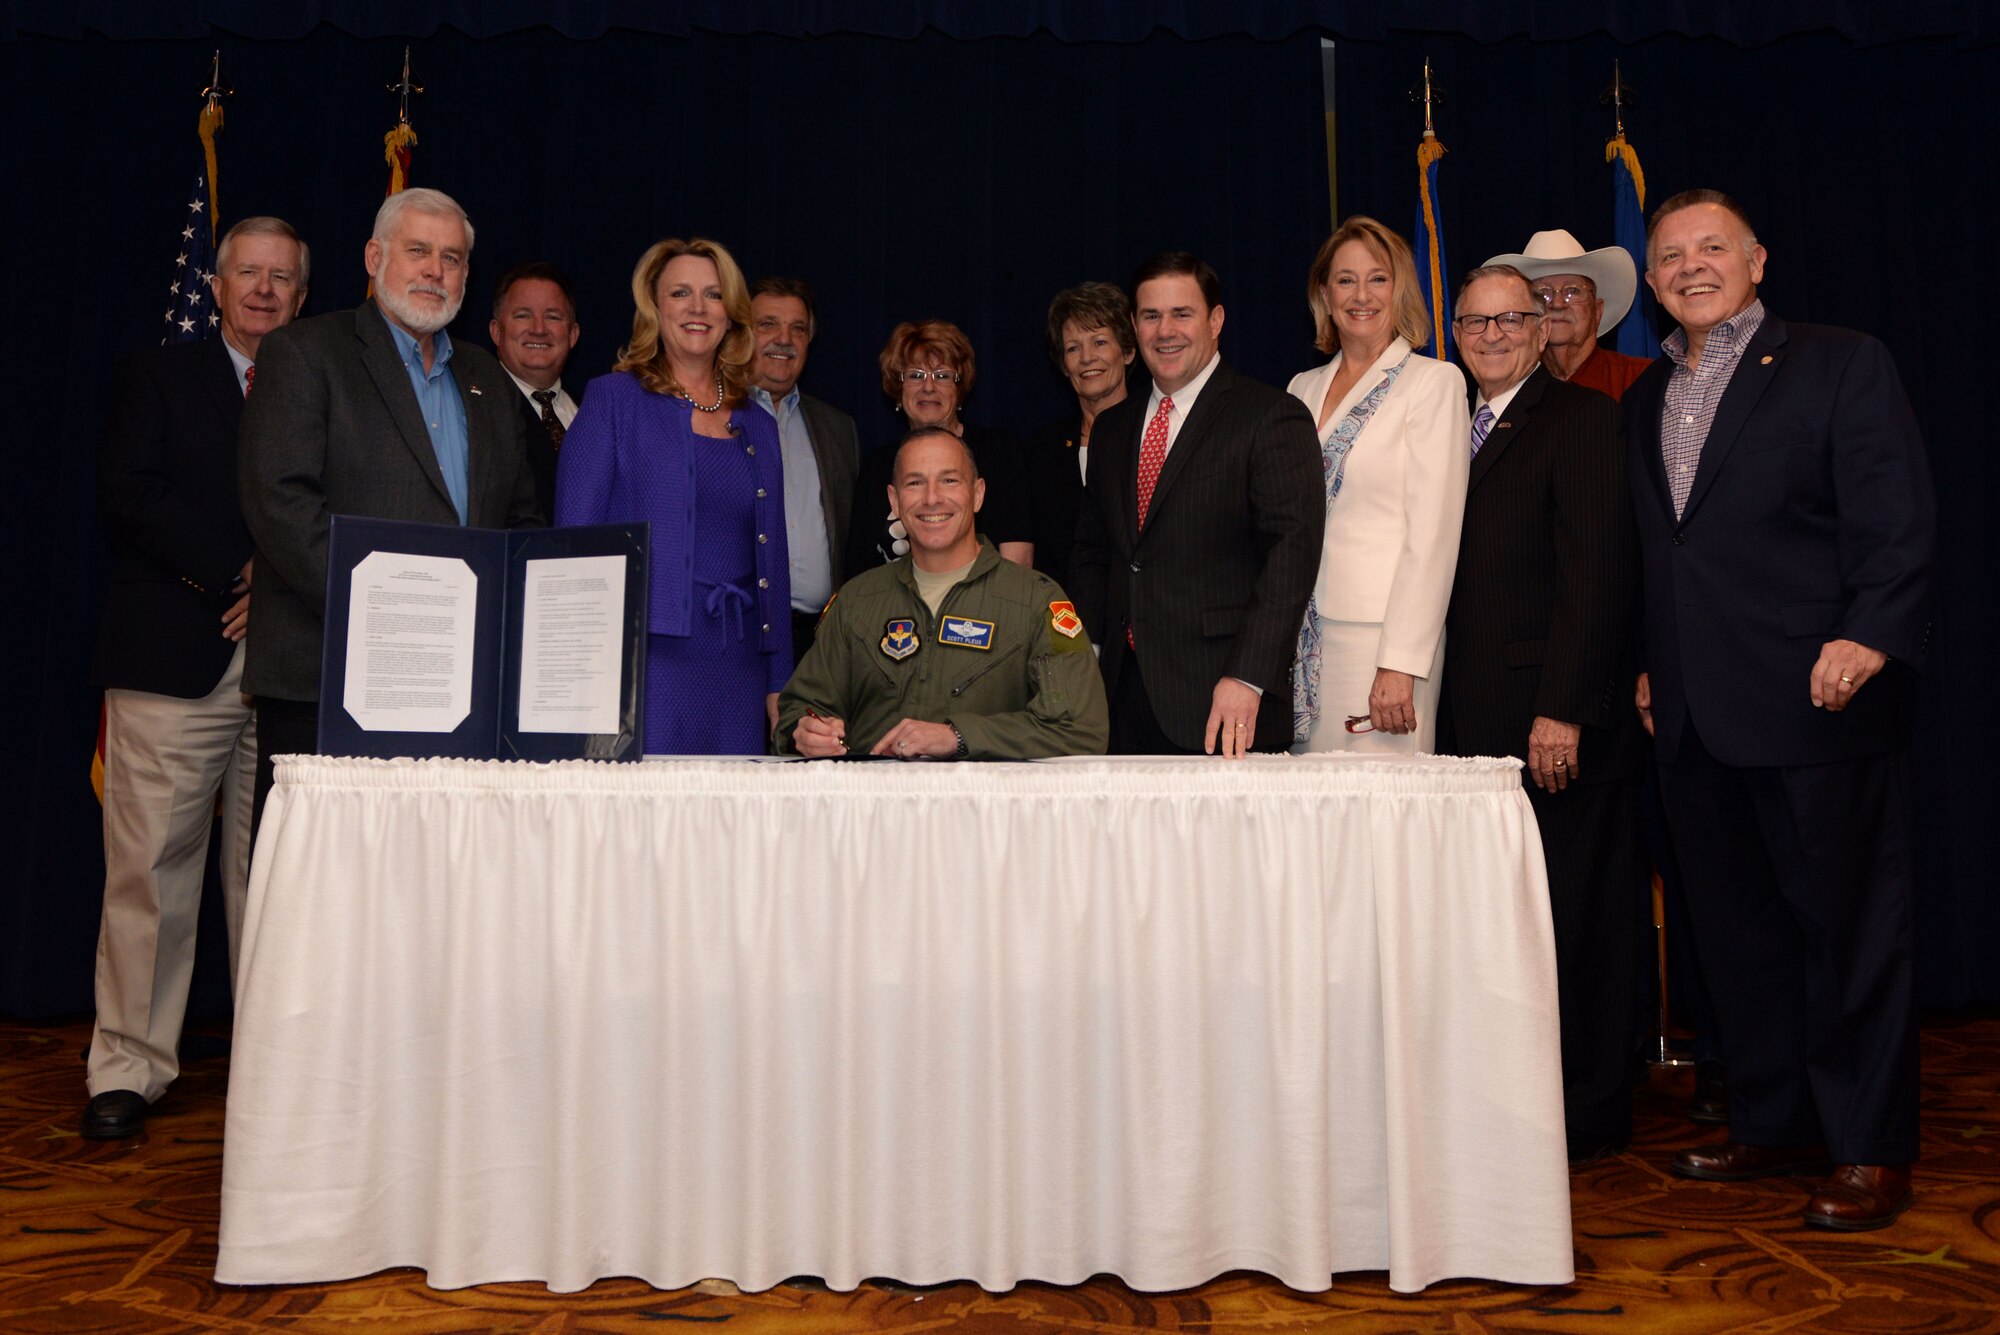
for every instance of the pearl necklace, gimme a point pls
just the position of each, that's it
(715, 407)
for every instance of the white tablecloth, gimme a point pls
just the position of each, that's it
(1162, 1018)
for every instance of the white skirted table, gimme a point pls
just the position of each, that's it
(693, 1019)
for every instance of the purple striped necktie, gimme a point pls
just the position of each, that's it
(1481, 425)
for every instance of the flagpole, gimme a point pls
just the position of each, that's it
(1429, 238)
(1628, 215)
(206, 127)
(397, 143)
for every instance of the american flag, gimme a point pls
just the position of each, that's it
(191, 315)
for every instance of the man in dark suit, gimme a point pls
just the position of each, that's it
(533, 330)
(1785, 519)
(374, 412)
(821, 448)
(178, 731)
(1200, 534)
(1535, 637)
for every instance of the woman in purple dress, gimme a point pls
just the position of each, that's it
(670, 438)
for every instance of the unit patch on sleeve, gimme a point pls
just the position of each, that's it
(1063, 620)
(899, 638)
(966, 633)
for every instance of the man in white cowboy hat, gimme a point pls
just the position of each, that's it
(1583, 294)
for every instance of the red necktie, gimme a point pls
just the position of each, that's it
(1152, 454)
(249, 380)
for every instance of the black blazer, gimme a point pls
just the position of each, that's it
(541, 450)
(1217, 584)
(1811, 518)
(1048, 465)
(174, 535)
(1547, 586)
(333, 428)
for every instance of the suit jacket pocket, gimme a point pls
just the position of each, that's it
(1803, 619)
(1523, 653)
(1219, 621)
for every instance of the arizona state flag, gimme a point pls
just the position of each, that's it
(1427, 239)
(1628, 229)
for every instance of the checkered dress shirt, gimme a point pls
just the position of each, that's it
(1694, 393)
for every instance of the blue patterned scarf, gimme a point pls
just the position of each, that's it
(1333, 466)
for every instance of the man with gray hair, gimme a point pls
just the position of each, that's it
(375, 412)
(178, 733)
(1582, 295)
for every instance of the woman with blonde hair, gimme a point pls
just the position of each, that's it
(1395, 450)
(670, 438)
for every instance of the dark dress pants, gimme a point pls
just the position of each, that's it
(1135, 731)
(1590, 841)
(1798, 882)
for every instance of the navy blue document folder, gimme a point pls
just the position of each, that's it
(398, 685)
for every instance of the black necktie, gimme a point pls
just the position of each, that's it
(550, 422)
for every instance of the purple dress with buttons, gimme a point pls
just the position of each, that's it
(719, 596)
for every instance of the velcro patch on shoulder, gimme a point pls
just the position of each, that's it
(1067, 627)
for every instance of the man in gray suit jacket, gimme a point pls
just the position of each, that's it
(375, 412)
(821, 449)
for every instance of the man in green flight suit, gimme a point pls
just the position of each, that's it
(950, 653)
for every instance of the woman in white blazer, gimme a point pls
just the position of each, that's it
(1395, 441)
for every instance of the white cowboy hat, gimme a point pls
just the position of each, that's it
(1610, 267)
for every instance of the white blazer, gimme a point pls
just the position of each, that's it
(1392, 536)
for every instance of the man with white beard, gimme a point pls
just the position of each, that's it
(376, 412)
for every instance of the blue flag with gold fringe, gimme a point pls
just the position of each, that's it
(1628, 229)
(1427, 240)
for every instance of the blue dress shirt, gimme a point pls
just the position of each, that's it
(443, 409)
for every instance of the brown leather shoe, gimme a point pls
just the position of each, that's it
(1859, 1197)
(1731, 1162)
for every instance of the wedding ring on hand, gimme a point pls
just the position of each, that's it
(1562, 764)
(1848, 680)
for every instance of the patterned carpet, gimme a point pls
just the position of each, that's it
(121, 1238)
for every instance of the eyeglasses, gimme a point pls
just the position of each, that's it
(1564, 296)
(1510, 321)
(1358, 723)
(916, 375)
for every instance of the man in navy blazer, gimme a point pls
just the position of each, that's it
(1785, 517)
(178, 731)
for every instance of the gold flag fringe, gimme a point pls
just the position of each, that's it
(396, 149)
(1429, 150)
(211, 121)
(1618, 148)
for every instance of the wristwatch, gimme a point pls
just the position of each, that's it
(960, 751)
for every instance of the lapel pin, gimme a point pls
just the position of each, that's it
(1768, 359)
(474, 389)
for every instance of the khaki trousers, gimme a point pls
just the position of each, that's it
(166, 760)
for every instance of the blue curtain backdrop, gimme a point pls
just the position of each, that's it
(966, 161)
